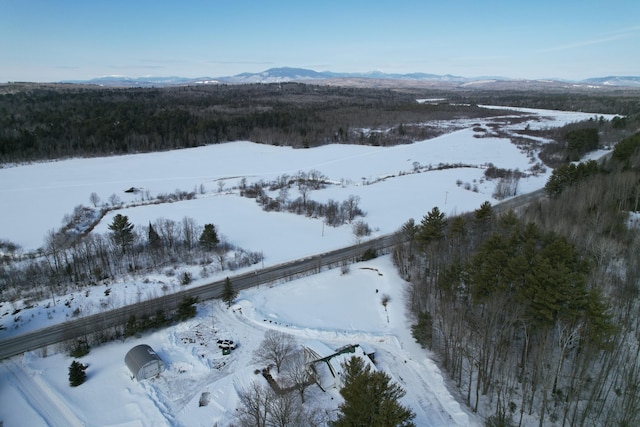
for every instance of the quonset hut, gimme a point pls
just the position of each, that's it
(143, 362)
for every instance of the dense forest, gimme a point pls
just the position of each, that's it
(40, 122)
(535, 314)
(48, 123)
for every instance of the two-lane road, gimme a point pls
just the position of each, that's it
(89, 324)
(86, 325)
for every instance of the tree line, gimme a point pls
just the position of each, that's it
(67, 263)
(52, 122)
(534, 315)
(334, 213)
(623, 101)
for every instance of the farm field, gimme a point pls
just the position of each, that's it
(393, 184)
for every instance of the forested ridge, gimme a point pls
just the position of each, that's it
(535, 316)
(42, 122)
(55, 122)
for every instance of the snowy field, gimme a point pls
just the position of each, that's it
(394, 184)
(331, 308)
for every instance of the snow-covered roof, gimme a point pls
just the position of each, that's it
(141, 356)
(317, 349)
(329, 364)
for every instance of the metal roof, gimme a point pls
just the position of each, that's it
(139, 357)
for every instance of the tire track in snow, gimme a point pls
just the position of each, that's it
(42, 398)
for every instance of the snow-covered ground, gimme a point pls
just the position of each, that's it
(330, 307)
(394, 184)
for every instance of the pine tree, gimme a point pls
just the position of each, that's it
(432, 227)
(131, 328)
(409, 230)
(209, 237)
(187, 308)
(154, 238)
(228, 293)
(484, 213)
(77, 374)
(121, 231)
(371, 398)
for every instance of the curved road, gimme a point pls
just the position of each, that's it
(86, 325)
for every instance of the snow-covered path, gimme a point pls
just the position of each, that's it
(40, 396)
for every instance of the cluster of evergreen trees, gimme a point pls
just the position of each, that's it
(535, 315)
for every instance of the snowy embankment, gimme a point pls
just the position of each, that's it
(394, 184)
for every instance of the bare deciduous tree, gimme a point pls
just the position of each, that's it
(114, 200)
(285, 410)
(298, 373)
(360, 230)
(221, 256)
(168, 230)
(275, 348)
(94, 199)
(190, 233)
(262, 407)
(350, 207)
(256, 401)
(304, 190)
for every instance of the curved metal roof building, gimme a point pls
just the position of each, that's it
(144, 362)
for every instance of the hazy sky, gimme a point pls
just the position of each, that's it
(52, 40)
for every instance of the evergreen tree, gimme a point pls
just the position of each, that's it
(131, 328)
(228, 293)
(432, 227)
(625, 150)
(370, 398)
(121, 231)
(187, 308)
(568, 175)
(484, 213)
(154, 238)
(209, 237)
(409, 230)
(77, 374)
(581, 141)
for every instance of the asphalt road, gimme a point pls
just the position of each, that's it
(290, 270)
(83, 326)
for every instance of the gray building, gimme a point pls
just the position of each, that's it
(143, 362)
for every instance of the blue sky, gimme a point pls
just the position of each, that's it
(47, 40)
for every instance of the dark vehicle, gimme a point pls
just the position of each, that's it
(226, 344)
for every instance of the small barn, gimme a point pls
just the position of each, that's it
(143, 362)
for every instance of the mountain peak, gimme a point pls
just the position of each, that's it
(292, 74)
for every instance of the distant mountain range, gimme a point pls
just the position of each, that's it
(287, 74)
(614, 81)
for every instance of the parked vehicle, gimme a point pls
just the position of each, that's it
(226, 344)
